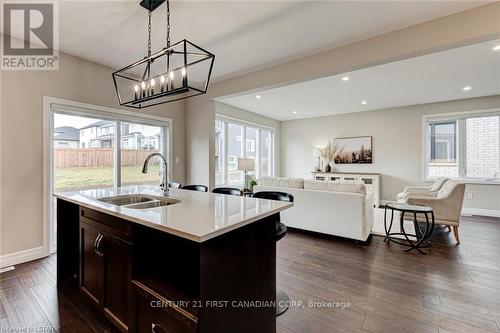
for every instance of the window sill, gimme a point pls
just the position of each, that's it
(495, 181)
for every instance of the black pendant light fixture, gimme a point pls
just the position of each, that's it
(177, 71)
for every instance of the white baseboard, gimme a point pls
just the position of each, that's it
(481, 212)
(17, 258)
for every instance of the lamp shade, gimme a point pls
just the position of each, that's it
(246, 164)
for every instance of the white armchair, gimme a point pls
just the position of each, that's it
(433, 189)
(446, 204)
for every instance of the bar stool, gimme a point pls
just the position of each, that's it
(228, 191)
(281, 296)
(199, 188)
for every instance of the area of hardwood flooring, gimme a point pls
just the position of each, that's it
(383, 289)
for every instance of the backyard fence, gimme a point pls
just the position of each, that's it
(96, 157)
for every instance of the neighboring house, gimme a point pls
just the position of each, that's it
(101, 134)
(66, 137)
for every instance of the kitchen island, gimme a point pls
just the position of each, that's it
(192, 262)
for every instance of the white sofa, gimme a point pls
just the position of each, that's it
(337, 208)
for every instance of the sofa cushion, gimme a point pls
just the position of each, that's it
(269, 181)
(336, 186)
(281, 182)
(315, 185)
(349, 186)
(292, 182)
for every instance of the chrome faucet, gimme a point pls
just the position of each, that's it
(164, 184)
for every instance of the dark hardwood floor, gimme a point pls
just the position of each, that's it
(452, 289)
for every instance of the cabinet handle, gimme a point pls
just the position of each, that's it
(95, 243)
(98, 245)
(155, 328)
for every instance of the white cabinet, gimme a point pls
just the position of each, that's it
(371, 180)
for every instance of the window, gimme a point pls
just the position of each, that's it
(136, 147)
(234, 139)
(463, 146)
(92, 161)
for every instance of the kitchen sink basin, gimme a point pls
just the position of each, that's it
(123, 200)
(155, 203)
(139, 201)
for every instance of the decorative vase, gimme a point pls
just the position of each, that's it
(328, 168)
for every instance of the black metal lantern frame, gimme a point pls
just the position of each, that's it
(176, 72)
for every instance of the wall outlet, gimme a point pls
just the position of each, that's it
(470, 196)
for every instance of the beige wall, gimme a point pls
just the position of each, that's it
(472, 26)
(21, 140)
(397, 145)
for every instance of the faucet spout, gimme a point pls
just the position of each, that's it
(164, 184)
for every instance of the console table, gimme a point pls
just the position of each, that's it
(371, 180)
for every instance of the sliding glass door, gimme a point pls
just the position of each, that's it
(84, 152)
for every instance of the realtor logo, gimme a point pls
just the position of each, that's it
(30, 39)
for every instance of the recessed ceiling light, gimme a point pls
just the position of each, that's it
(466, 88)
(496, 48)
(295, 112)
(258, 96)
(345, 78)
(364, 102)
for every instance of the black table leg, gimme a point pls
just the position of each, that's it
(387, 230)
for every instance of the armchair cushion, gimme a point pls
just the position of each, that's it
(438, 184)
(447, 204)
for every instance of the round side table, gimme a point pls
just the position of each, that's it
(421, 236)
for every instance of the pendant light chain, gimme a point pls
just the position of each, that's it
(149, 33)
(168, 23)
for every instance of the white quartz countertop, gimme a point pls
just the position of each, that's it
(199, 216)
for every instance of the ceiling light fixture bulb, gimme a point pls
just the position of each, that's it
(294, 112)
(143, 85)
(136, 88)
(183, 71)
(364, 102)
(345, 78)
(162, 79)
(466, 88)
(258, 96)
(496, 48)
(172, 75)
(153, 82)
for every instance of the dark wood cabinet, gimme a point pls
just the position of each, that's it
(145, 280)
(116, 277)
(105, 269)
(90, 263)
(152, 313)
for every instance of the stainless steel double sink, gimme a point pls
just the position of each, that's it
(139, 201)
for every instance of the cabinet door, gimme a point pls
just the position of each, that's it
(90, 263)
(117, 257)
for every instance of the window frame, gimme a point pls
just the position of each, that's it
(52, 105)
(258, 149)
(460, 118)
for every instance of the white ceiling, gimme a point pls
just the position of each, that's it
(431, 78)
(244, 35)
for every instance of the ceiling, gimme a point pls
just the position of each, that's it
(431, 78)
(244, 35)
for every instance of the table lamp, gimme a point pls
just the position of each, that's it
(246, 164)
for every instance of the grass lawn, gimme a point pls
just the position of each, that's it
(68, 179)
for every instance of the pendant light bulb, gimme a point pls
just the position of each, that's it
(136, 88)
(162, 79)
(153, 82)
(143, 85)
(172, 75)
(183, 71)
